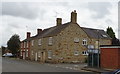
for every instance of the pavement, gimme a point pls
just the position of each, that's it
(97, 70)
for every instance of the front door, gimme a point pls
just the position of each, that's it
(23, 55)
(43, 57)
(36, 57)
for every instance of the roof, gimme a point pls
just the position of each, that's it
(50, 31)
(109, 46)
(93, 33)
(54, 30)
(96, 33)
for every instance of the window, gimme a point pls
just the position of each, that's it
(85, 53)
(21, 53)
(39, 54)
(50, 40)
(97, 44)
(49, 54)
(32, 42)
(104, 35)
(32, 52)
(90, 46)
(26, 53)
(21, 45)
(24, 44)
(76, 52)
(27, 44)
(84, 42)
(39, 42)
(76, 39)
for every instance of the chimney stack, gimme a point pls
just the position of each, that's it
(28, 35)
(58, 21)
(74, 16)
(39, 31)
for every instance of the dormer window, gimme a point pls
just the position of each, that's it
(104, 35)
(39, 42)
(50, 41)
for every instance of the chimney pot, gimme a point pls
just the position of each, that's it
(58, 21)
(39, 31)
(28, 35)
(74, 17)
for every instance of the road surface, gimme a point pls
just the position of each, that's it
(18, 65)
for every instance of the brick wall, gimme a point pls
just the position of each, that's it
(110, 58)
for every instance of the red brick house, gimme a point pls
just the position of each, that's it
(25, 47)
(110, 56)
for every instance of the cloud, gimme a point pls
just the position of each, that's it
(17, 15)
(25, 10)
(100, 9)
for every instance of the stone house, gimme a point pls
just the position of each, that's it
(65, 42)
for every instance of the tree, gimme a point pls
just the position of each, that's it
(3, 49)
(111, 33)
(14, 44)
(115, 41)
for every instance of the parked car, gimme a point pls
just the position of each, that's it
(8, 55)
(113, 72)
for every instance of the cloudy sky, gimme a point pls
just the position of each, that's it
(20, 17)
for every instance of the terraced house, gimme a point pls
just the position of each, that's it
(66, 42)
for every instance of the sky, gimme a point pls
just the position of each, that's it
(19, 17)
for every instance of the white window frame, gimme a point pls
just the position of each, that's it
(84, 53)
(24, 44)
(50, 41)
(32, 42)
(27, 53)
(32, 52)
(97, 44)
(40, 42)
(76, 52)
(39, 53)
(21, 45)
(21, 53)
(104, 35)
(27, 44)
(76, 39)
(49, 54)
(84, 42)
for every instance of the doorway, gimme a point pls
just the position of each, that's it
(23, 55)
(36, 56)
(42, 57)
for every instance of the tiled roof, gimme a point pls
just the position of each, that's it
(54, 30)
(93, 33)
(50, 31)
(96, 33)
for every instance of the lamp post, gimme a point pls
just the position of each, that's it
(98, 49)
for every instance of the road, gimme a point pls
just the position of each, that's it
(18, 65)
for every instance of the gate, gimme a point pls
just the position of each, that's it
(93, 60)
